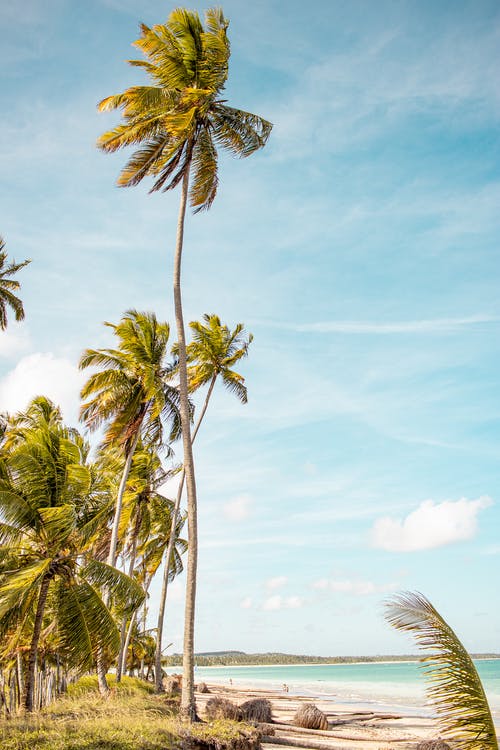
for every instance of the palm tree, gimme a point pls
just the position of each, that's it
(130, 394)
(148, 516)
(455, 689)
(212, 353)
(8, 286)
(48, 524)
(178, 122)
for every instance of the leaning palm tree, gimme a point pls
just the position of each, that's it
(46, 532)
(213, 352)
(455, 689)
(178, 122)
(8, 286)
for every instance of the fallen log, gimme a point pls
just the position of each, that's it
(289, 728)
(273, 740)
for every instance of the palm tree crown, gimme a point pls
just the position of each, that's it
(181, 119)
(213, 352)
(8, 286)
(131, 392)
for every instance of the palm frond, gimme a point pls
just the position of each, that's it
(455, 689)
(241, 133)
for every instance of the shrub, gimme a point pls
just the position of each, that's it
(220, 735)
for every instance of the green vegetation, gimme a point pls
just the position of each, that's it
(8, 286)
(240, 658)
(132, 718)
(177, 123)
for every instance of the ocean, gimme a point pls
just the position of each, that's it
(388, 686)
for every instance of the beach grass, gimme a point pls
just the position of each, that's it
(132, 718)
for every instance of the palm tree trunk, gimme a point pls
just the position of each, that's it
(29, 687)
(101, 666)
(188, 705)
(170, 549)
(122, 654)
(119, 500)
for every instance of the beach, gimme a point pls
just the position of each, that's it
(371, 705)
(349, 726)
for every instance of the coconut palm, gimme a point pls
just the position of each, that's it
(212, 353)
(178, 122)
(130, 394)
(46, 532)
(8, 286)
(455, 689)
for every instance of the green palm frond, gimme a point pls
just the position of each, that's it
(123, 588)
(177, 121)
(454, 687)
(8, 286)
(22, 584)
(84, 622)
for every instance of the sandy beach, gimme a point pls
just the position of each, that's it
(353, 728)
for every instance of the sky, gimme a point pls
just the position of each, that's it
(360, 248)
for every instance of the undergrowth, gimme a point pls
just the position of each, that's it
(131, 718)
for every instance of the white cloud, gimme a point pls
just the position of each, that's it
(238, 508)
(436, 325)
(42, 374)
(355, 587)
(14, 340)
(276, 582)
(246, 603)
(430, 525)
(280, 602)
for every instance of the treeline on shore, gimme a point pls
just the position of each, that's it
(240, 658)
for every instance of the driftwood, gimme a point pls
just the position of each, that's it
(314, 744)
(433, 745)
(310, 717)
(289, 728)
(203, 688)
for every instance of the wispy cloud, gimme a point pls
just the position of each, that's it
(277, 602)
(276, 582)
(433, 326)
(355, 587)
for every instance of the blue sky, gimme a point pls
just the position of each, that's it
(361, 249)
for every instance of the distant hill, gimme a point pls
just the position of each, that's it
(240, 658)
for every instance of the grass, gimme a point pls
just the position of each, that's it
(132, 718)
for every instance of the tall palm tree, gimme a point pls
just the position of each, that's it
(455, 689)
(8, 286)
(178, 122)
(130, 393)
(45, 537)
(212, 353)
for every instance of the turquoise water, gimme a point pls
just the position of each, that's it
(385, 685)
